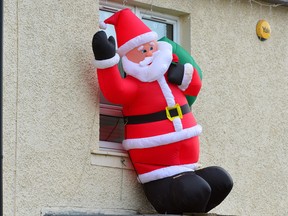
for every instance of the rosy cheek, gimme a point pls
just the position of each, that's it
(140, 56)
(136, 57)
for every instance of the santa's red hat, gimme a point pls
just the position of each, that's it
(131, 32)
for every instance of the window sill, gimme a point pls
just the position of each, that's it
(111, 159)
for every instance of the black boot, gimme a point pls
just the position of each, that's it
(220, 182)
(190, 193)
(183, 193)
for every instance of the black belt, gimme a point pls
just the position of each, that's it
(169, 113)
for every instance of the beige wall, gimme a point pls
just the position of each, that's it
(51, 108)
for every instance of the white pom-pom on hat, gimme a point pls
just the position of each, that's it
(102, 25)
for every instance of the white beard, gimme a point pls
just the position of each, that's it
(151, 68)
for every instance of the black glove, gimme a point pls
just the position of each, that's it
(103, 48)
(175, 73)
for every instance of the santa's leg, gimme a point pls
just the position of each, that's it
(190, 193)
(182, 193)
(220, 182)
(157, 192)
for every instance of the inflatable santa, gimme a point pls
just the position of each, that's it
(161, 133)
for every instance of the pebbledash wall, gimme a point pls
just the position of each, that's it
(51, 107)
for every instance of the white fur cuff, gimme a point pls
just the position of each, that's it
(102, 64)
(188, 73)
(167, 172)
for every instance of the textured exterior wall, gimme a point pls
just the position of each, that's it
(51, 109)
(50, 103)
(243, 103)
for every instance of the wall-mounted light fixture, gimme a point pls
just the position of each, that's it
(263, 30)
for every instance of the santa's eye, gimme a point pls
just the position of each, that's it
(143, 51)
(151, 48)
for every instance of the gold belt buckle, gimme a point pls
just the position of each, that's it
(179, 112)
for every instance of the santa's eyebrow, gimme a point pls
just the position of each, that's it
(140, 48)
(152, 43)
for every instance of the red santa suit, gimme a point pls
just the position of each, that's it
(161, 133)
(162, 147)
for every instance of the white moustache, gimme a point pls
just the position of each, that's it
(149, 60)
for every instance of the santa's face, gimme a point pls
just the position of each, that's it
(138, 54)
(149, 61)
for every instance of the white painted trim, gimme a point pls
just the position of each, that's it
(111, 159)
(168, 19)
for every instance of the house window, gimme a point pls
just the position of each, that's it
(111, 118)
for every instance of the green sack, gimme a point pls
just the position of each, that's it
(184, 57)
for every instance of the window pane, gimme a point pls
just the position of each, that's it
(110, 28)
(162, 29)
(111, 128)
(111, 121)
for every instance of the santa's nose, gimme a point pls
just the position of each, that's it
(149, 53)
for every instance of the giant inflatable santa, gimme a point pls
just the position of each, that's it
(161, 133)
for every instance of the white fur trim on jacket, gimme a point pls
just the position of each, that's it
(167, 172)
(163, 139)
(102, 64)
(188, 73)
(137, 41)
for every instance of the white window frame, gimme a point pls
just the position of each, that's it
(159, 17)
(109, 153)
(110, 110)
